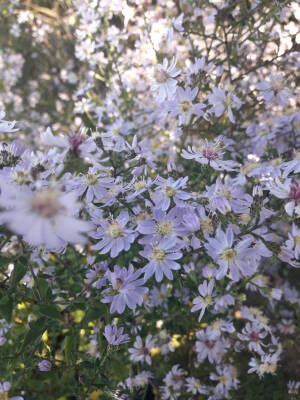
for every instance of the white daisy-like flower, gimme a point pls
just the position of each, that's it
(165, 83)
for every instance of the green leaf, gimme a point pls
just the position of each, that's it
(71, 345)
(19, 271)
(6, 307)
(37, 328)
(42, 287)
(50, 311)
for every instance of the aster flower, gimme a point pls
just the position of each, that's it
(126, 289)
(194, 386)
(5, 387)
(165, 83)
(253, 334)
(226, 377)
(274, 90)
(114, 335)
(162, 225)
(141, 352)
(266, 365)
(183, 107)
(45, 365)
(237, 259)
(174, 379)
(209, 344)
(167, 190)
(210, 153)
(114, 235)
(93, 184)
(96, 275)
(161, 258)
(221, 101)
(6, 126)
(43, 217)
(205, 299)
(287, 189)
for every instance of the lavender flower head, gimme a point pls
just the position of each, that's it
(126, 289)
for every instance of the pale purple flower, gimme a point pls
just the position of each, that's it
(162, 225)
(92, 184)
(167, 190)
(183, 107)
(96, 275)
(209, 344)
(205, 299)
(253, 334)
(141, 352)
(237, 259)
(210, 153)
(165, 83)
(226, 377)
(126, 289)
(43, 217)
(222, 101)
(114, 235)
(174, 378)
(274, 90)
(115, 336)
(162, 258)
(44, 365)
(6, 126)
(194, 386)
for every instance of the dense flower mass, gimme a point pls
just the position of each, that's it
(149, 200)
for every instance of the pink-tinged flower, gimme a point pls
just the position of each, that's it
(167, 190)
(114, 335)
(161, 258)
(210, 345)
(287, 189)
(114, 235)
(141, 352)
(253, 334)
(174, 378)
(222, 101)
(237, 259)
(43, 217)
(126, 289)
(205, 299)
(165, 83)
(210, 153)
(78, 143)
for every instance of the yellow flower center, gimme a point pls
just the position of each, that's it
(223, 379)
(139, 185)
(297, 240)
(209, 300)
(228, 255)
(158, 254)
(169, 191)
(91, 179)
(115, 230)
(165, 228)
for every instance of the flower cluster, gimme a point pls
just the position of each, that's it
(149, 200)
